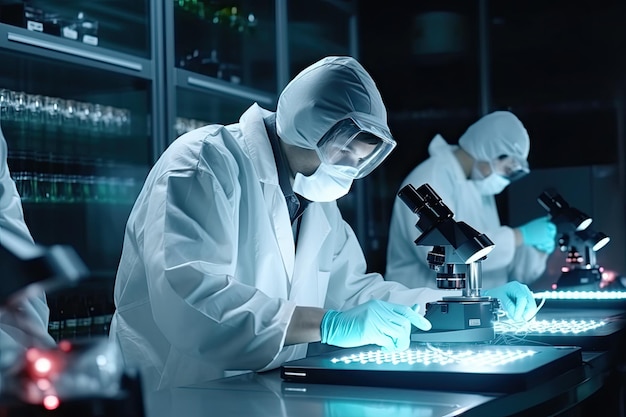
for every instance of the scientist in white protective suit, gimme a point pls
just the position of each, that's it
(235, 254)
(23, 320)
(489, 156)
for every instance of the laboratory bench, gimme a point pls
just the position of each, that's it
(596, 383)
(559, 378)
(267, 395)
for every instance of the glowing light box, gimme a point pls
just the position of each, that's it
(455, 367)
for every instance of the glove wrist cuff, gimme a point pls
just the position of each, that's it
(326, 325)
(524, 233)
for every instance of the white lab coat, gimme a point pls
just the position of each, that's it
(406, 262)
(25, 322)
(209, 275)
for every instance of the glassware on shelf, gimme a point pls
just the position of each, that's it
(96, 118)
(69, 119)
(228, 29)
(6, 104)
(121, 121)
(34, 109)
(34, 113)
(45, 178)
(19, 107)
(84, 116)
(184, 125)
(223, 13)
(29, 113)
(52, 107)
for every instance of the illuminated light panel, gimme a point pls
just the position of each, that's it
(581, 295)
(548, 327)
(483, 368)
(436, 356)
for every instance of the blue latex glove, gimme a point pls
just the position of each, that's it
(540, 233)
(375, 322)
(516, 299)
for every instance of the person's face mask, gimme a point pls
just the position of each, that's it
(324, 185)
(490, 184)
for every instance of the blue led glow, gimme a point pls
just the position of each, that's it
(548, 326)
(581, 295)
(428, 356)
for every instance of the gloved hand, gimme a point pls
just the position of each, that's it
(375, 322)
(540, 233)
(516, 299)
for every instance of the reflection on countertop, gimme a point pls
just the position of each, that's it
(265, 394)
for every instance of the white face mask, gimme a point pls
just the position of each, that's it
(324, 185)
(492, 184)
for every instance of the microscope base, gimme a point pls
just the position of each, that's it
(459, 319)
(481, 334)
(580, 279)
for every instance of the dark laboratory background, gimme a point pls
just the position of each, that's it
(91, 92)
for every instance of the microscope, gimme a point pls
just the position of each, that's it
(456, 256)
(577, 240)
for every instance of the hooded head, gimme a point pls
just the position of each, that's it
(323, 94)
(499, 145)
(496, 134)
(334, 107)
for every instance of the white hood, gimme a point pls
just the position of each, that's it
(498, 133)
(323, 94)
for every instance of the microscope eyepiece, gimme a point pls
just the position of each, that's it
(426, 203)
(561, 213)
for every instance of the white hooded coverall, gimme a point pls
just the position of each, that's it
(209, 275)
(495, 134)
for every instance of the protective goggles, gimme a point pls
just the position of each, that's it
(355, 146)
(510, 167)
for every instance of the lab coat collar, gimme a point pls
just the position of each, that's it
(257, 143)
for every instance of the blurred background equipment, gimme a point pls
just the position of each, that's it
(25, 265)
(84, 378)
(80, 377)
(579, 241)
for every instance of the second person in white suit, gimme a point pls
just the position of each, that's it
(490, 154)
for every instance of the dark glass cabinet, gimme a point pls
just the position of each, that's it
(76, 108)
(91, 92)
